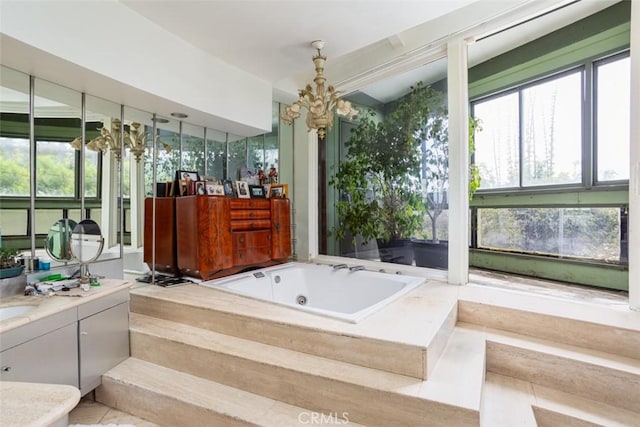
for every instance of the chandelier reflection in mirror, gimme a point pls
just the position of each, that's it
(135, 140)
(319, 104)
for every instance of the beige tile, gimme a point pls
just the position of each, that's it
(615, 380)
(507, 401)
(299, 379)
(87, 412)
(551, 405)
(600, 327)
(113, 416)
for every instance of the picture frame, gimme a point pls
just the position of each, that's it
(227, 185)
(184, 187)
(201, 188)
(242, 188)
(218, 190)
(279, 190)
(257, 192)
(185, 176)
(267, 190)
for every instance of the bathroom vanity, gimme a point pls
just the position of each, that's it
(69, 340)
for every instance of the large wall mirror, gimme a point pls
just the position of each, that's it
(88, 158)
(49, 174)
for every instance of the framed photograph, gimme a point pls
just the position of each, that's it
(228, 187)
(201, 188)
(218, 190)
(279, 190)
(257, 191)
(267, 190)
(242, 187)
(187, 177)
(184, 187)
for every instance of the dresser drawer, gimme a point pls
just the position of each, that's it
(251, 255)
(250, 224)
(250, 204)
(251, 239)
(250, 214)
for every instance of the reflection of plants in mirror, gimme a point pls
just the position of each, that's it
(378, 182)
(8, 258)
(435, 161)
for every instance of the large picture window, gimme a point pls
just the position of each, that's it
(532, 136)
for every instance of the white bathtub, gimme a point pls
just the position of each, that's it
(320, 289)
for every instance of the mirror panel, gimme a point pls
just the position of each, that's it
(14, 135)
(237, 156)
(57, 125)
(58, 245)
(216, 154)
(167, 140)
(193, 148)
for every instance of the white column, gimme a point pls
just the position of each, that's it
(136, 197)
(305, 175)
(458, 99)
(109, 207)
(634, 177)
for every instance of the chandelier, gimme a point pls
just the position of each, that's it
(109, 140)
(319, 104)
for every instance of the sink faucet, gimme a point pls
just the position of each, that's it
(356, 268)
(339, 266)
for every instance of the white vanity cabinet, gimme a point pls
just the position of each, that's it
(75, 346)
(103, 337)
(47, 358)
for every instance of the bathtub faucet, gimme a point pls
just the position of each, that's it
(356, 268)
(339, 266)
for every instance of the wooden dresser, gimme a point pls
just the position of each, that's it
(165, 241)
(218, 236)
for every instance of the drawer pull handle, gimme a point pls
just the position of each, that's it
(6, 368)
(242, 239)
(84, 333)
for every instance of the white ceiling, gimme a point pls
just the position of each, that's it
(271, 39)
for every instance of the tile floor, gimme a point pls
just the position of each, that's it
(89, 412)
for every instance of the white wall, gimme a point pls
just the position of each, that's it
(634, 179)
(111, 41)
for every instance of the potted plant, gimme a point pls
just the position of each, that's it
(379, 180)
(9, 265)
(435, 173)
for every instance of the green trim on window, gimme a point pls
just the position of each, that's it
(596, 35)
(584, 273)
(551, 198)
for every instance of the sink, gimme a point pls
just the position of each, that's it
(14, 310)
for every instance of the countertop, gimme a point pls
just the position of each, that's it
(35, 404)
(47, 305)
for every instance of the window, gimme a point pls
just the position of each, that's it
(587, 233)
(55, 169)
(612, 118)
(14, 167)
(532, 136)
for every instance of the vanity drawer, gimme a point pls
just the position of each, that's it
(240, 214)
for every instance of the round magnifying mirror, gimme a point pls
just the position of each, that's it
(86, 241)
(58, 243)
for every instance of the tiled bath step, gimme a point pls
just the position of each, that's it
(508, 401)
(613, 379)
(171, 398)
(610, 329)
(451, 396)
(406, 337)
